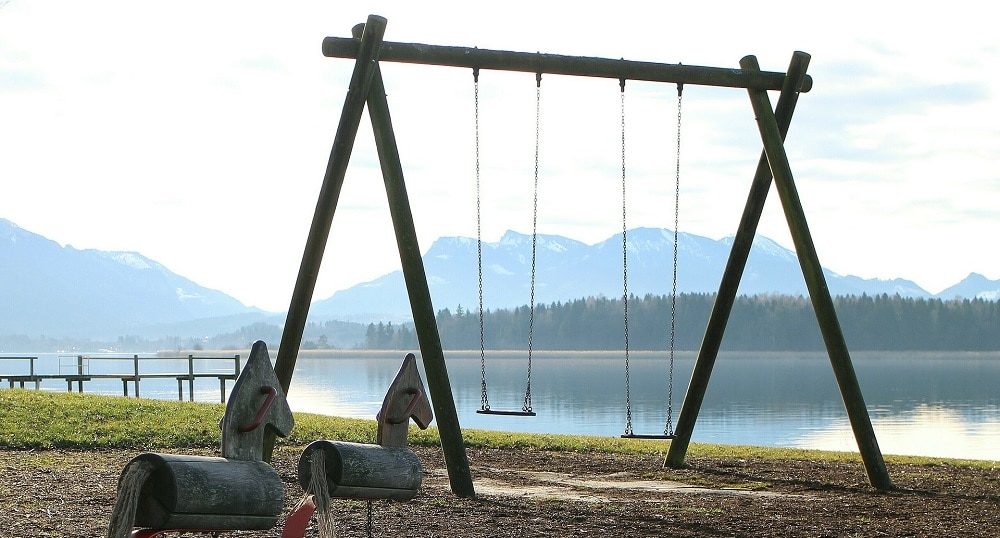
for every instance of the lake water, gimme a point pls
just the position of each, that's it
(928, 404)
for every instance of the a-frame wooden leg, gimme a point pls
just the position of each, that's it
(319, 232)
(734, 271)
(819, 292)
(415, 277)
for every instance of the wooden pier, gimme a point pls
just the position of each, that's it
(79, 372)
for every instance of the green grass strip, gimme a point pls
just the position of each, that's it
(31, 419)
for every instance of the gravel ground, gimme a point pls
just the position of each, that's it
(525, 492)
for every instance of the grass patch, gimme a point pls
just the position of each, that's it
(39, 419)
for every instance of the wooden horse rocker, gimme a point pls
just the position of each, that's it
(387, 470)
(163, 493)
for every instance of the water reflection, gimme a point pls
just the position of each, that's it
(924, 404)
(927, 404)
(925, 431)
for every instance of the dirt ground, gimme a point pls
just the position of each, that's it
(526, 492)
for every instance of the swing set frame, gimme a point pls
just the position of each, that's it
(366, 87)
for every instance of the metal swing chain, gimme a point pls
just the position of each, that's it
(628, 395)
(668, 428)
(479, 253)
(534, 242)
(370, 527)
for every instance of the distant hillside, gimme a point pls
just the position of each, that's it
(47, 289)
(62, 292)
(567, 270)
(975, 286)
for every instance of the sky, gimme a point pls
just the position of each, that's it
(198, 133)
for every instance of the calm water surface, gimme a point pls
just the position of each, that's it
(920, 404)
(929, 404)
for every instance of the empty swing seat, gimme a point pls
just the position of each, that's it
(647, 436)
(507, 412)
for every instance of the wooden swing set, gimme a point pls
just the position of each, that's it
(366, 87)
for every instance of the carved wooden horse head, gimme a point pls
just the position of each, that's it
(257, 402)
(405, 399)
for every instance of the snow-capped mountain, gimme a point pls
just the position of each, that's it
(566, 269)
(49, 289)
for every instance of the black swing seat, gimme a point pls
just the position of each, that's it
(647, 436)
(506, 412)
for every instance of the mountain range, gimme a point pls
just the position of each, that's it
(566, 269)
(56, 291)
(47, 289)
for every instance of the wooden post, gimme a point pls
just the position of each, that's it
(415, 277)
(79, 372)
(819, 292)
(319, 232)
(191, 379)
(730, 283)
(135, 368)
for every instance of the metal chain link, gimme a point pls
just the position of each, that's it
(668, 428)
(628, 395)
(534, 242)
(371, 518)
(479, 253)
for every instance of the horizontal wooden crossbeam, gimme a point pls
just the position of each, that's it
(533, 62)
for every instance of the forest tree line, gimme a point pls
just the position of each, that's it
(757, 323)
